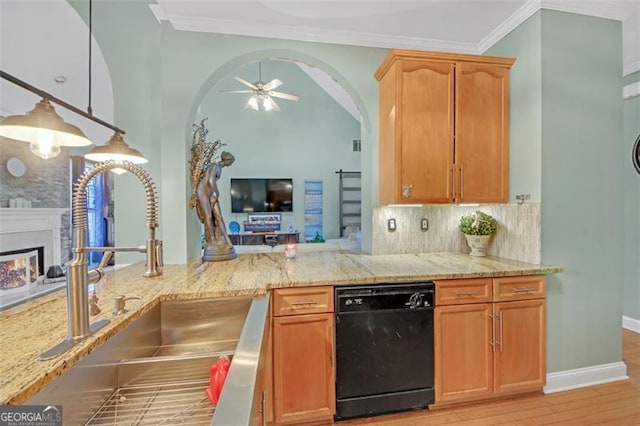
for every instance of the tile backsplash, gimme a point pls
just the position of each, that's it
(518, 235)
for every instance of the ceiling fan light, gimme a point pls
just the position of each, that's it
(253, 103)
(43, 123)
(267, 103)
(116, 149)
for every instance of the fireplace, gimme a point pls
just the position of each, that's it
(30, 242)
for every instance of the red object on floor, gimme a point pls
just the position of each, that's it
(217, 375)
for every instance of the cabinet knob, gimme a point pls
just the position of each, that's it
(407, 190)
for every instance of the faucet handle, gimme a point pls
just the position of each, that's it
(120, 302)
(106, 257)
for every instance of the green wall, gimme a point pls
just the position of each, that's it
(308, 139)
(215, 56)
(631, 307)
(130, 39)
(569, 121)
(525, 84)
(160, 77)
(575, 76)
(582, 198)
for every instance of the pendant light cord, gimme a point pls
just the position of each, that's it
(89, 108)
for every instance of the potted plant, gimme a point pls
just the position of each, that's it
(477, 228)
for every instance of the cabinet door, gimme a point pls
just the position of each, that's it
(482, 133)
(303, 382)
(425, 117)
(463, 352)
(519, 359)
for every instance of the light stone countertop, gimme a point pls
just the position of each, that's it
(29, 329)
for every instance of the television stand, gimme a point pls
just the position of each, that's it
(262, 238)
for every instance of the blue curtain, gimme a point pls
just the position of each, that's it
(97, 199)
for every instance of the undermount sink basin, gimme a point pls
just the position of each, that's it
(156, 370)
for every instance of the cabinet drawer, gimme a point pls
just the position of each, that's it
(519, 288)
(297, 301)
(456, 292)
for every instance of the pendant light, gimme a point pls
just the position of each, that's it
(116, 148)
(44, 129)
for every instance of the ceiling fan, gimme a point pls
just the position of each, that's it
(263, 93)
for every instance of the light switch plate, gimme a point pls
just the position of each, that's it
(391, 224)
(424, 224)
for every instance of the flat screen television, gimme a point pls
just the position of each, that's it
(253, 195)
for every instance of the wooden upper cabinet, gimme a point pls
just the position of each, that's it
(443, 128)
(426, 131)
(482, 133)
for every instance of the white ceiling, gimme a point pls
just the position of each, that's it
(470, 26)
(52, 32)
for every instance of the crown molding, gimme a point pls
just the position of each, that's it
(313, 34)
(158, 12)
(608, 9)
(508, 25)
(604, 9)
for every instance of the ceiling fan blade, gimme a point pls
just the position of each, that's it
(272, 84)
(275, 105)
(287, 96)
(246, 83)
(236, 91)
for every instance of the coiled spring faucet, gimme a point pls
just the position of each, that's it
(78, 274)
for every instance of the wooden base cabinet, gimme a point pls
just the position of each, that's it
(519, 356)
(303, 362)
(463, 359)
(485, 350)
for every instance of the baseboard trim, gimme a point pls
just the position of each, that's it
(587, 376)
(631, 324)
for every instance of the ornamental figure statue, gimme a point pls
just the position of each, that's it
(205, 196)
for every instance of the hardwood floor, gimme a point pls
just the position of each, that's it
(609, 404)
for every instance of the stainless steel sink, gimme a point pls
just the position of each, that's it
(156, 370)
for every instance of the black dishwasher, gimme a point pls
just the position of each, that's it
(384, 348)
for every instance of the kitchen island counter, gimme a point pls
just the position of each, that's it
(29, 329)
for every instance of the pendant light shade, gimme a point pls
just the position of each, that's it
(44, 129)
(116, 149)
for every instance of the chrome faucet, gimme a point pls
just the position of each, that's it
(78, 275)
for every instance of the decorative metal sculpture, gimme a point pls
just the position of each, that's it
(205, 194)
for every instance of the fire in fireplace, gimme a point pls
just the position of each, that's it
(19, 268)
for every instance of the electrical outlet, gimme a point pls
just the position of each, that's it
(424, 224)
(391, 225)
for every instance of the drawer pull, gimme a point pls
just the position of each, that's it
(307, 303)
(523, 289)
(467, 293)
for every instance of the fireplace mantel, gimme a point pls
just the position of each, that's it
(44, 221)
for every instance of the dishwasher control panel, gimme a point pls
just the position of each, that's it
(385, 297)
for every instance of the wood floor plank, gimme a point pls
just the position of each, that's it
(615, 404)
